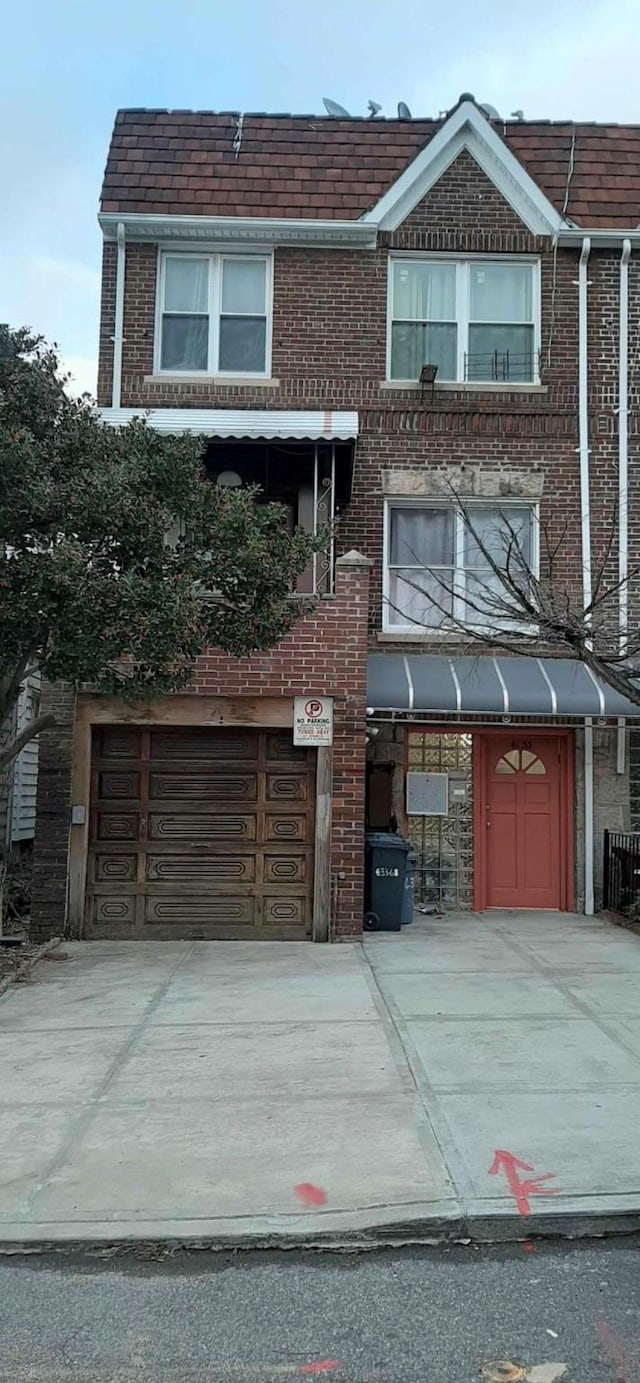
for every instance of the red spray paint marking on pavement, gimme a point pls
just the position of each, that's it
(310, 1195)
(521, 1191)
(321, 1366)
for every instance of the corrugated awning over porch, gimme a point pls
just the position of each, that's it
(490, 686)
(243, 423)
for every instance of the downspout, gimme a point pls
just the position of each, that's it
(585, 524)
(118, 325)
(623, 479)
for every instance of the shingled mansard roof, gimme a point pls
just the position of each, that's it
(195, 163)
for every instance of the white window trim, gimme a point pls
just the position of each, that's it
(427, 631)
(462, 321)
(215, 258)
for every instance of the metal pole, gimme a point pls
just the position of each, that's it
(332, 515)
(315, 514)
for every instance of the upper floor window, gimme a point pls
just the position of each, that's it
(213, 314)
(442, 565)
(477, 320)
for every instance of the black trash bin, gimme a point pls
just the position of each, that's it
(385, 862)
(409, 887)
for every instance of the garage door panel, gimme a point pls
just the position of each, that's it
(286, 869)
(205, 784)
(199, 744)
(279, 745)
(187, 912)
(287, 787)
(200, 826)
(118, 826)
(125, 786)
(115, 869)
(293, 826)
(205, 831)
(184, 869)
(288, 912)
(115, 907)
(115, 743)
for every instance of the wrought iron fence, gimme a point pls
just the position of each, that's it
(621, 871)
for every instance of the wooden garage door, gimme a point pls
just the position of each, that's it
(200, 833)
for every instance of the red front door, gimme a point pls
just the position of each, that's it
(523, 821)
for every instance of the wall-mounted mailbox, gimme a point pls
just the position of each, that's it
(427, 794)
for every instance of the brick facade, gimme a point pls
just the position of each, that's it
(329, 352)
(327, 655)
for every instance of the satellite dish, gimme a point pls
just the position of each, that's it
(490, 111)
(334, 109)
(403, 111)
(374, 108)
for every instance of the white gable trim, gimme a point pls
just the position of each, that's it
(468, 129)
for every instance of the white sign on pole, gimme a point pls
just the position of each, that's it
(313, 720)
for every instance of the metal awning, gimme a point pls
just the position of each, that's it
(251, 423)
(490, 686)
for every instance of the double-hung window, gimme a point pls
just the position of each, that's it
(476, 319)
(442, 566)
(213, 314)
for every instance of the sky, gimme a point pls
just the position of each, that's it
(68, 65)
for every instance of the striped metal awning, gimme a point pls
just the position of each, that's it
(259, 424)
(484, 685)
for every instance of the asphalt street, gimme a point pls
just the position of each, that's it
(536, 1312)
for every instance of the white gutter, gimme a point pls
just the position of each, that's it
(623, 479)
(585, 523)
(583, 423)
(573, 237)
(239, 230)
(118, 325)
(623, 446)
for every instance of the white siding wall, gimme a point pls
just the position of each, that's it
(25, 772)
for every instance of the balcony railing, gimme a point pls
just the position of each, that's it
(494, 367)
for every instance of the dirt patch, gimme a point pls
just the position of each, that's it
(17, 962)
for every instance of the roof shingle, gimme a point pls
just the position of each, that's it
(186, 163)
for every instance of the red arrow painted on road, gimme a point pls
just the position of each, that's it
(508, 1163)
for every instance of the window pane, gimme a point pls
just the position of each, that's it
(184, 343)
(496, 530)
(242, 344)
(501, 353)
(424, 291)
(420, 597)
(415, 346)
(243, 286)
(487, 599)
(422, 537)
(186, 285)
(501, 292)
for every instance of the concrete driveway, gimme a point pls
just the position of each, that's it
(202, 1090)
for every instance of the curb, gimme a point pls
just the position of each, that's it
(476, 1230)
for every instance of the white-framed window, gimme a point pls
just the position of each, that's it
(213, 314)
(477, 319)
(437, 574)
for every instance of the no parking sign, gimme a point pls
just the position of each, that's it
(313, 720)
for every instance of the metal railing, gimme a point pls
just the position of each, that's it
(621, 871)
(502, 366)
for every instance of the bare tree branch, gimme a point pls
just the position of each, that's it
(501, 603)
(10, 751)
